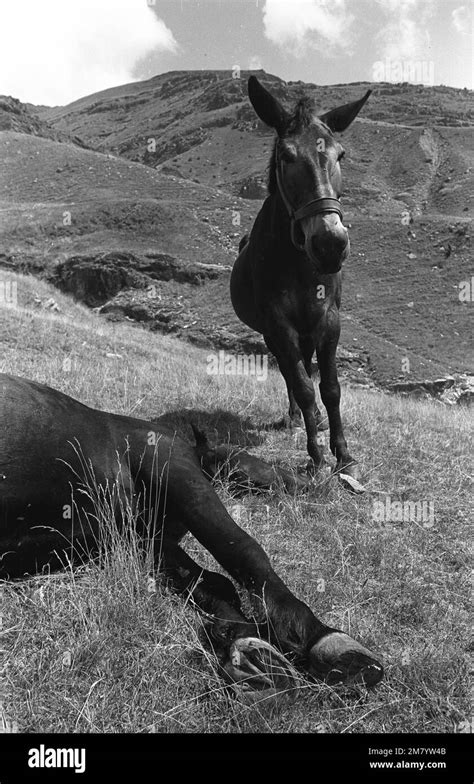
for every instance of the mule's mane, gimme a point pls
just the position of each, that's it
(303, 115)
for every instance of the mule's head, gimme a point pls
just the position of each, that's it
(306, 170)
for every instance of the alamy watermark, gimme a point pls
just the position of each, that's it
(45, 757)
(396, 71)
(388, 511)
(224, 364)
(8, 292)
(466, 290)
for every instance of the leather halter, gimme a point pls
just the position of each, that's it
(313, 207)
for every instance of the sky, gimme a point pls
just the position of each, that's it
(55, 51)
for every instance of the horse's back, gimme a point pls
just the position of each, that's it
(52, 447)
(47, 440)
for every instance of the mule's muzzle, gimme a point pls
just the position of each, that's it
(329, 248)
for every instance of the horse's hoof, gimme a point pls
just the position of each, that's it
(337, 658)
(255, 667)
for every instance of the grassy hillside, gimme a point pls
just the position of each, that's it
(59, 201)
(176, 176)
(112, 203)
(123, 657)
(201, 126)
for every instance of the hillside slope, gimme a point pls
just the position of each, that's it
(200, 125)
(22, 118)
(58, 200)
(150, 235)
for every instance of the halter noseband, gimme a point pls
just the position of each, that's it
(313, 207)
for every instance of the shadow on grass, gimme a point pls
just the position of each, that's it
(221, 427)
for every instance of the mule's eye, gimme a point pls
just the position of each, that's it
(341, 155)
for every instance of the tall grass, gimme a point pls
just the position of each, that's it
(105, 649)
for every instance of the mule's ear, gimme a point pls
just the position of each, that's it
(340, 118)
(268, 108)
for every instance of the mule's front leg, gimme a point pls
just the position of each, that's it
(294, 414)
(303, 390)
(292, 365)
(331, 394)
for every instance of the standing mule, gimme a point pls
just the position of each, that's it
(286, 282)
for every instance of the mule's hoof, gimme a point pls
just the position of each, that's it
(323, 424)
(337, 658)
(294, 422)
(349, 468)
(314, 469)
(257, 670)
(351, 483)
(349, 474)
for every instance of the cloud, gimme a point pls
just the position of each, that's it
(299, 25)
(462, 19)
(53, 51)
(404, 35)
(255, 63)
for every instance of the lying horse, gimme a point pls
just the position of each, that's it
(286, 281)
(48, 441)
(242, 470)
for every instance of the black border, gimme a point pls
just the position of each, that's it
(140, 755)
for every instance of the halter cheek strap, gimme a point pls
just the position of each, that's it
(314, 207)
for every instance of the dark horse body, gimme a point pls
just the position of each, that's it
(50, 443)
(286, 282)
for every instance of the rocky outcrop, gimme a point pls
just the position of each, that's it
(96, 279)
(220, 94)
(16, 116)
(180, 142)
(162, 266)
(456, 389)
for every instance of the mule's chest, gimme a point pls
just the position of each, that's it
(304, 309)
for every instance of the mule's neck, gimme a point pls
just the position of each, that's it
(280, 225)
